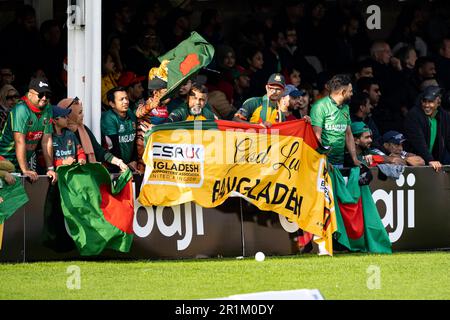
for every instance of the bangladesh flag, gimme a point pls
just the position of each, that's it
(185, 60)
(98, 211)
(14, 197)
(359, 224)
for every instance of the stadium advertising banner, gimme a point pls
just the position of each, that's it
(413, 220)
(276, 169)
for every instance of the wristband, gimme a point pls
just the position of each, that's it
(51, 168)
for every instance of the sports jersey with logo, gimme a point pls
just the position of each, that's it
(66, 145)
(32, 124)
(333, 120)
(259, 109)
(124, 128)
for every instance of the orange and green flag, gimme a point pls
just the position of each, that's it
(98, 211)
(276, 169)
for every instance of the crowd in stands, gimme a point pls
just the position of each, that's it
(279, 64)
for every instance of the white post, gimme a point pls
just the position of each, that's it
(93, 64)
(84, 58)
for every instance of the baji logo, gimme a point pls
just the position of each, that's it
(391, 208)
(155, 216)
(388, 199)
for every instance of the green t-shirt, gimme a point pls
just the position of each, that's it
(433, 133)
(33, 125)
(125, 128)
(182, 114)
(259, 109)
(333, 120)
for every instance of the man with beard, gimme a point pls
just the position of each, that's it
(330, 118)
(264, 110)
(194, 107)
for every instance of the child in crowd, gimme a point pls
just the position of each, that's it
(66, 147)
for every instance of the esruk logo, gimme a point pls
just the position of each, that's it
(183, 152)
(391, 207)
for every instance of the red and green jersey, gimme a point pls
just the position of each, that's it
(26, 119)
(124, 129)
(66, 145)
(257, 110)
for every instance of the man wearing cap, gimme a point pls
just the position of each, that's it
(393, 147)
(367, 155)
(133, 84)
(119, 127)
(427, 128)
(29, 122)
(264, 110)
(330, 118)
(290, 100)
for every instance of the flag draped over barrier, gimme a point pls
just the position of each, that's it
(359, 224)
(98, 211)
(14, 197)
(276, 169)
(185, 60)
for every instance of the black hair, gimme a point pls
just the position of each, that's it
(111, 94)
(198, 87)
(338, 82)
(365, 83)
(359, 99)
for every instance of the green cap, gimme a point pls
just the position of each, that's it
(359, 127)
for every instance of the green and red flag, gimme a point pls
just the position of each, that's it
(359, 226)
(13, 196)
(98, 210)
(185, 60)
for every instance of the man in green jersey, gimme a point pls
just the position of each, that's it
(119, 127)
(195, 106)
(330, 118)
(28, 123)
(264, 110)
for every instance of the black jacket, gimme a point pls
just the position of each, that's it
(417, 131)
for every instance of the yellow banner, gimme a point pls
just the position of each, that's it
(277, 170)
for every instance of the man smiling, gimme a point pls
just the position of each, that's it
(29, 123)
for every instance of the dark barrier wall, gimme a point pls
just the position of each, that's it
(415, 209)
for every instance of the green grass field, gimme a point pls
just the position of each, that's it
(423, 275)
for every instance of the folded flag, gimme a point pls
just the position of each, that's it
(359, 226)
(98, 211)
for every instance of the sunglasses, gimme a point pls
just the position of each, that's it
(42, 94)
(74, 101)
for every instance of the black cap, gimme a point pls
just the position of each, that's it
(40, 85)
(156, 83)
(60, 112)
(393, 137)
(431, 93)
(277, 79)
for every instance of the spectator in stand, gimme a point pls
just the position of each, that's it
(241, 82)
(408, 57)
(120, 19)
(443, 64)
(6, 75)
(220, 96)
(119, 127)
(393, 147)
(175, 27)
(427, 128)
(330, 118)
(361, 111)
(135, 91)
(110, 76)
(143, 56)
(254, 61)
(29, 124)
(8, 99)
(387, 70)
(194, 108)
(364, 69)
(424, 70)
(276, 56)
(293, 76)
(66, 147)
(290, 101)
(226, 60)
(264, 110)
(181, 96)
(211, 26)
(93, 150)
(303, 104)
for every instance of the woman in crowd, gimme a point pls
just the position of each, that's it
(93, 150)
(8, 98)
